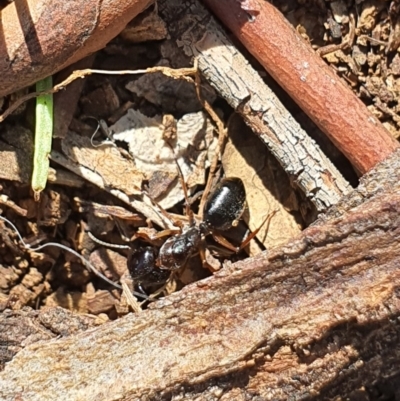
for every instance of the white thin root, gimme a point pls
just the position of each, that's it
(86, 263)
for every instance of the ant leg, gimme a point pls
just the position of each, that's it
(161, 234)
(224, 242)
(205, 260)
(255, 232)
(159, 209)
(222, 135)
(188, 210)
(154, 295)
(85, 262)
(107, 244)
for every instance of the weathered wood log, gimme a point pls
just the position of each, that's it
(315, 319)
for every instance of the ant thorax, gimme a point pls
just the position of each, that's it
(176, 250)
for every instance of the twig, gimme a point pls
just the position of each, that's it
(347, 43)
(181, 73)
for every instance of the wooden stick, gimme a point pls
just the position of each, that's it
(308, 80)
(319, 315)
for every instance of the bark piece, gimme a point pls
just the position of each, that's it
(309, 81)
(315, 319)
(23, 327)
(41, 37)
(193, 30)
(148, 142)
(94, 177)
(109, 262)
(74, 301)
(16, 147)
(53, 208)
(101, 101)
(149, 26)
(64, 178)
(100, 302)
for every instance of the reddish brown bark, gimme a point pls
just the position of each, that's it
(40, 37)
(309, 81)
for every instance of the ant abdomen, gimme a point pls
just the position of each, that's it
(142, 267)
(225, 204)
(178, 249)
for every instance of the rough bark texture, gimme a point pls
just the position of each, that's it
(194, 32)
(269, 37)
(21, 328)
(40, 37)
(315, 319)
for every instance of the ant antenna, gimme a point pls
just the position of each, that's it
(189, 211)
(107, 244)
(86, 263)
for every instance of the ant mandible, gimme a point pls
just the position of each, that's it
(222, 210)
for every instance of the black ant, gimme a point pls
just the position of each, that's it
(222, 210)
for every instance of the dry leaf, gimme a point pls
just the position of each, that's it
(266, 184)
(115, 171)
(194, 147)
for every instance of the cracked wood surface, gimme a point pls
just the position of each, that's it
(315, 319)
(196, 34)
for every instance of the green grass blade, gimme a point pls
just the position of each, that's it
(43, 136)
